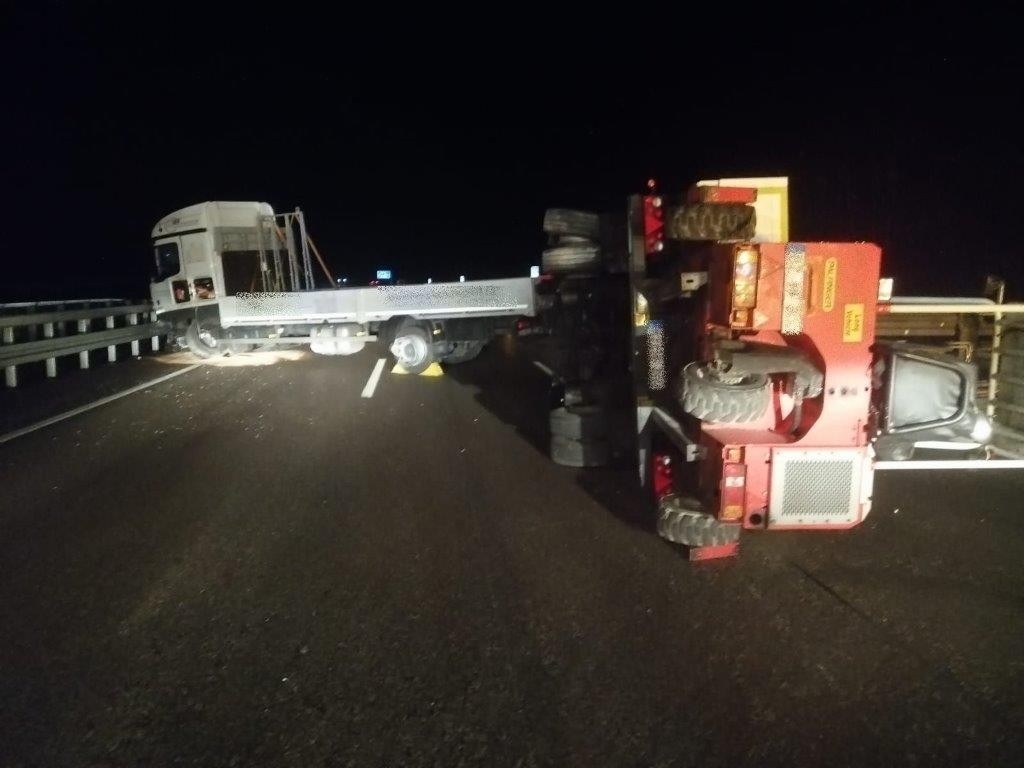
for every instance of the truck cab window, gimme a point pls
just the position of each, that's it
(180, 290)
(204, 288)
(168, 263)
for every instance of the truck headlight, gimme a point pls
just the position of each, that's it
(982, 431)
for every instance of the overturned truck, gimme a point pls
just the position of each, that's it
(763, 398)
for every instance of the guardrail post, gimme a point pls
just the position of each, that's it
(155, 341)
(112, 349)
(83, 357)
(133, 319)
(51, 362)
(10, 372)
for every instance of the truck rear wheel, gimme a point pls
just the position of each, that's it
(710, 396)
(579, 422)
(463, 352)
(565, 221)
(579, 453)
(571, 258)
(413, 348)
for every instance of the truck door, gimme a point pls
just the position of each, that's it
(170, 271)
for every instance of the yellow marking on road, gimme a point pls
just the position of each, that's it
(432, 370)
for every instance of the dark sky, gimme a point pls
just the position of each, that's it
(435, 152)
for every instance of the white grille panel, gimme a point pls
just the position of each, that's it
(815, 487)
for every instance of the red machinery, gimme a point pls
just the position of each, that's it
(761, 396)
(767, 425)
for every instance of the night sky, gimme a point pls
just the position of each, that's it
(436, 153)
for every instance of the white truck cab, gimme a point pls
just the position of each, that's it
(206, 251)
(230, 275)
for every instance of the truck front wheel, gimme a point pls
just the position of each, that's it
(205, 340)
(413, 348)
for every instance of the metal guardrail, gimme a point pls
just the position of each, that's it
(31, 332)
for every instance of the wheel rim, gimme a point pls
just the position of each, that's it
(410, 350)
(208, 338)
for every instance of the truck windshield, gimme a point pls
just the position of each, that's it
(167, 262)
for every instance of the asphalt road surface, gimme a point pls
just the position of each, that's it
(253, 564)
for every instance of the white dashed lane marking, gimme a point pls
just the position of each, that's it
(371, 383)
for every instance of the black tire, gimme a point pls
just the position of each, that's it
(681, 525)
(564, 221)
(463, 352)
(417, 336)
(571, 258)
(711, 221)
(578, 453)
(711, 398)
(203, 340)
(579, 422)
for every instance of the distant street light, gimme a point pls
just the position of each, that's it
(462, 278)
(429, 280)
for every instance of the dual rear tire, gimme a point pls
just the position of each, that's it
(579, 436)
(575, 236)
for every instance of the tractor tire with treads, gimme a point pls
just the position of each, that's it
(685, 526)
(710, 398)
(711, 221)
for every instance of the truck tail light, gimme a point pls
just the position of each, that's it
(734, 488)
(654, 224)
(746, 263)
(662, 479)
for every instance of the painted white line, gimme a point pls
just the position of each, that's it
(544, 368)
(94, 404)
(371, 383)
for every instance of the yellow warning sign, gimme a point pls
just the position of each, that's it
(828, 293)
(853, 322)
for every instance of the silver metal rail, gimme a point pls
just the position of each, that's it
(1003, 398)
(31, 332)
